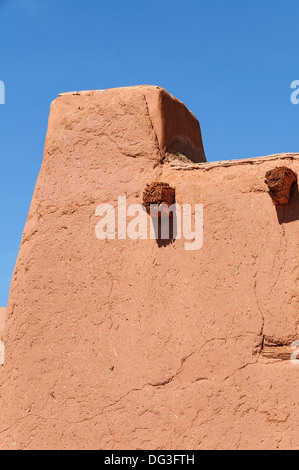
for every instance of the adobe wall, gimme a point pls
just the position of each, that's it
(2, 322)
(127, 344)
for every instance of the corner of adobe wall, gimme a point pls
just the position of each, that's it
(2, 322)
(176, 129)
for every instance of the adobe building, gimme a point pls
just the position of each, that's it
(137, 344)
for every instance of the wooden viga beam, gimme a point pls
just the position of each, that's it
(280, 181)
(282, 353)
(156, 194)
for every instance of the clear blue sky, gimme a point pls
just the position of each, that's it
(231, 62)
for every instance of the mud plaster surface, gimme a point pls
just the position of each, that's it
(121, 344)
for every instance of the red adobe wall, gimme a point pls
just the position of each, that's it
(127, 344)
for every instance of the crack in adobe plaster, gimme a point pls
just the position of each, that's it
(149, 384)
(183, 361)
(283, 237)
(259, 309)
(240, 368)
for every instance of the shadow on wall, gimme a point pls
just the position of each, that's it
(289, 212)
(165, 229)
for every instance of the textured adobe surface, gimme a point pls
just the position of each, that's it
(124, 344)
